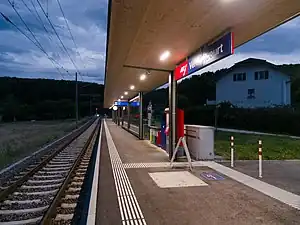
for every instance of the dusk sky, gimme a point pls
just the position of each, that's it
(87, 21)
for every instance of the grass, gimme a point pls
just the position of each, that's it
(20, 139)
(246, 146)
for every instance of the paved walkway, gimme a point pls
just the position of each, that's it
(137, 186)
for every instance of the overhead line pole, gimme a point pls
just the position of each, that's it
(76, 99)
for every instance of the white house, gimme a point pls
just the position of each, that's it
(254, 83)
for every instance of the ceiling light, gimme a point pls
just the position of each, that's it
(125, 93)
(122, 96)
(164, 55)
(131, 87)
(119, 100)
(143, 77)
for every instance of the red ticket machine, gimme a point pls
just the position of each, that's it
(179, 125)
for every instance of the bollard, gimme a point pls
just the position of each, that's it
(232, 150)
(260, 158)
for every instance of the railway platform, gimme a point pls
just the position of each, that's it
(133, 183)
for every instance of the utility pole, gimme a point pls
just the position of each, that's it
(76, 97)
(90, 105)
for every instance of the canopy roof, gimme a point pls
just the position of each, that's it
(139, 31)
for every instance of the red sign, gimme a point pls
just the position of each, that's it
(205, 56)
(181, 70)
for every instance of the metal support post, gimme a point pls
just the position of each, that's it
(91, 106)
(118, 115)
(122, 116)
(172, 114)
(128, 119)
(141, 125)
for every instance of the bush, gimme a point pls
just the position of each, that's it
(273, 120)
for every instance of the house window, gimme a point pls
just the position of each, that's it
(261, 75)
(251, 93)
(239, 76)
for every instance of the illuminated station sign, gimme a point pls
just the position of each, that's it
(125, 103)
(205, 56)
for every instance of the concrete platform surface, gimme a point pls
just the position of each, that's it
(282, 174)
(138, 152)
(129, 195)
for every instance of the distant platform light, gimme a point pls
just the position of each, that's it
(131, 87)
(125, 93)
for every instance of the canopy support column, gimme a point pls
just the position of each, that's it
(141, 125)
(172, 114)
(118, 115)
(122, 116)
(128, 114)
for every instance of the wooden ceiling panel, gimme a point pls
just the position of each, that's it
(125, 19)
(140, 30)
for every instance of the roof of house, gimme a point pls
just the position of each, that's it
(250, 62)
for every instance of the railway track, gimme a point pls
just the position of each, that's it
(47, 192)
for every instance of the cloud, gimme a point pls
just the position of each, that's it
(20, 57)
(283, 39)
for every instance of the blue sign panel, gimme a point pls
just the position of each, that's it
(134, 104)
(212, 176)
(121, 103)
(208, 54)
(124, 103)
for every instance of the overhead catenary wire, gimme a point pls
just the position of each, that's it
(38, 46)
(20, 17)
(64, 47)
(39, 19)
(37, 43)
(36, 17)
(72, 37)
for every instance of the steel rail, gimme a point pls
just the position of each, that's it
(50, 213)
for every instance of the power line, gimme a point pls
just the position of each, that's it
(41, 21)
(33, 13)
(37, 43)
(58, 36)
(38, 19)
(38, 46)
(61, 9)
(16, 11)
